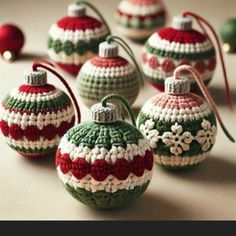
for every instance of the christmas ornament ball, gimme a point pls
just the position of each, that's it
(11, 41)
(178, 45)
(180, 126)
(138, 19)
(74, 38)
(35, 115)
(104, 163)
(107, 73)
(228, 35)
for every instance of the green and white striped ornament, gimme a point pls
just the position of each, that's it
(108, 73)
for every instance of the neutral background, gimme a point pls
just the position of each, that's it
(30, 189)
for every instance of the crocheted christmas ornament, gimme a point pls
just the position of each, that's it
(180, 126)
(108, 73)
(177, 45)
(228, 35)
(106, 162)
(11, 41)
(75, 38)
(35, 115)
(138, 19)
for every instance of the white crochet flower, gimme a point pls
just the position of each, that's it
(152, 135)
(206, 137)
(177, 140)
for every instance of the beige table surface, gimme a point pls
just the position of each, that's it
(31, 189)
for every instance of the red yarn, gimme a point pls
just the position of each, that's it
(212, 64)
(168, 66)
(78, 23)
(80, 168)
(70, 68)
(49, 132)
(153, 62)
(148, 159)
(4, 128)
(200, 66)
(16, 132)
(181, 36)
(63, 127)
(109, 62)
(11, 38)
(37, 89)
(32, 133)
(121, 169)
(100, 170)
(138, 166)
(65, 163)
(57, 157)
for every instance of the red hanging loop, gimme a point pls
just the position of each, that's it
(205, 92)
(201, 20)
(38, 64)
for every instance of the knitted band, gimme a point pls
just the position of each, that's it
(36, 78)
(108, 49)
(177, 86)
(182, 23)
(76, 10)
(101, 114)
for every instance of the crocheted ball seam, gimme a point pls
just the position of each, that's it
(181, 129)
(102, 76)
(139, 15)
(34, 118)
(167, 49)
(104, 160)
(74, 40)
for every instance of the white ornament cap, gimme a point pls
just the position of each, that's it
(108, 49)
(76, 10)
(182, 23)
(177, 86)
(36, 78)
(101, 114)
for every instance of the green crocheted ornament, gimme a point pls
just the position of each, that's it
(180, 126)
(106, 162)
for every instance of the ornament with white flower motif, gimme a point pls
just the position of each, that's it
(75, 38)
(180, 126)
(106, 162)
(35, 115)
(138, 19)
(181, 44)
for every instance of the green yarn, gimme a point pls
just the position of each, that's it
(179, 55)
(81, 47)
(92, 135)
(34, 107)
(105, 200)
(96, 88)
(192, 126)
(154, 23)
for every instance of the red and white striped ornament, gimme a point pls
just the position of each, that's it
(75, 38)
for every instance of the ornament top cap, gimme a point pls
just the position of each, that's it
(35, 78)
(76, 10)
(178, 86)
(108, 49)
(182, 23)
(107, 114)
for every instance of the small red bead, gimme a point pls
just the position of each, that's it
(148, 159)
(32, 133)
(65, 163)
(121, 169)
(80, 168)
(16, 132)
(138, 166)
(49, 132)
(100, 170)
(4, 128)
